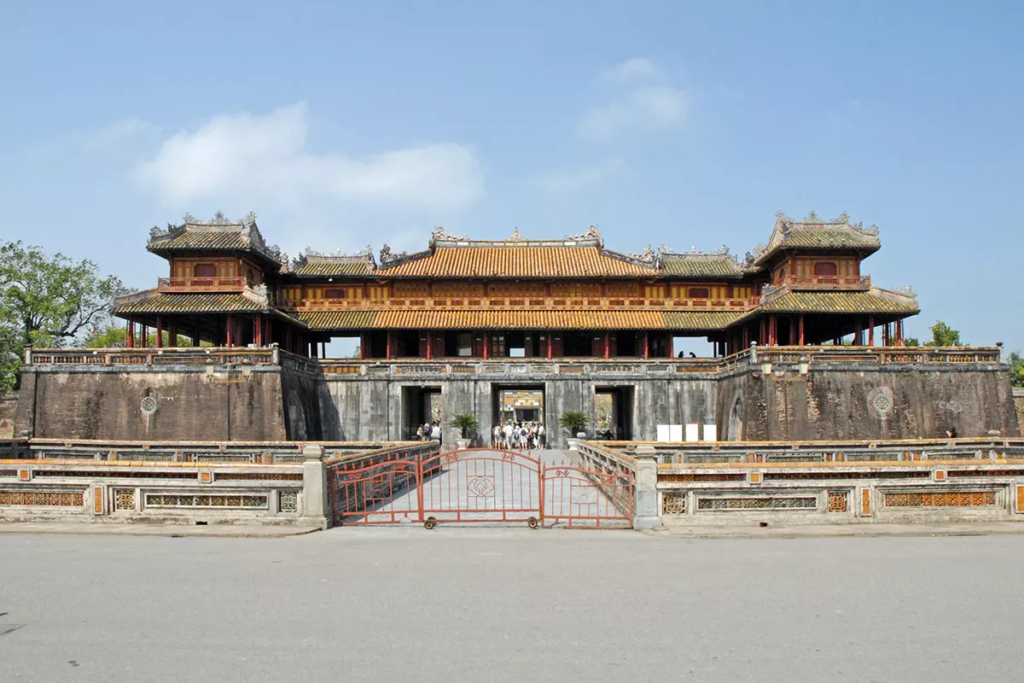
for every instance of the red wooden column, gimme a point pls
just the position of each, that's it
(430, 344)
(647, 346)
(551, 339)
(390, 344)
(802, 338)
(159, 332)
(257, 330)
(899, 333)
(487, 345)
(859, 339)
(871, 331)
(145, 337)
(746, 337)
(229, 331)
(763, 335)
(129, 334)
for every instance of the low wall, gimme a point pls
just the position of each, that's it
(177, 483)
(836, 483)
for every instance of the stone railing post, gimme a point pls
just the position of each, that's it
(753, 353)
(645, 489)
(315, 507)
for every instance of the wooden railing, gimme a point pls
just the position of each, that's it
(201, 284)
(152, 356)
(520, 303)
(830, 282)
(760, 355)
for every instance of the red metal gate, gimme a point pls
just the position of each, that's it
(580, 498)
(479, 486)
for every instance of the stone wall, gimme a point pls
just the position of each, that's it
(860, 401)
(143, 403)
(1018, 403)
(8, 410)
(802, 395)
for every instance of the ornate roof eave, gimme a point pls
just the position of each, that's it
(161, 241)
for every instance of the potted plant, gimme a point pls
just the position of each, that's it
(466, 423)
(575, 422)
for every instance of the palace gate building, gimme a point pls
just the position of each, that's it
(454, 327)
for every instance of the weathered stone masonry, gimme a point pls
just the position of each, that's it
(785, 394)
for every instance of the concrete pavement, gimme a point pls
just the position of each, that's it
(509, 605)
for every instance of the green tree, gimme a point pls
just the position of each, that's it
(47, 301)
(114, 337)
(1016, 369)
(944, 335)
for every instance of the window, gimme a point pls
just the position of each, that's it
(204, 270)
(335, 293)
(825, 269)
(464, 344)
(699, 292)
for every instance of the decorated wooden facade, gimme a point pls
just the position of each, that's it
(483, 299)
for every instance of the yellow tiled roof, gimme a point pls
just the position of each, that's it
(517, 262)
(700, 266)
(837, 302)
(521, 320)
(189, 303)
(329, 268)
(700, 320)
(327, 320)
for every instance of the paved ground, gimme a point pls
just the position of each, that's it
(509, 605)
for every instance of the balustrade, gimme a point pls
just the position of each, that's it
(201, 284)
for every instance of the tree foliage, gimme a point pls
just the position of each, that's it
(1016, 369)
(944, 335)
(574, 421)
(466, 423)
(47, 301)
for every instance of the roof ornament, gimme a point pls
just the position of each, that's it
(842, 218)
(516, 237)
(812, 218)
(906, 291)
(387, 257)
(219, 219)
(871, 229)
(591, 234)
(189, 219)
(249, 220)
(748, 260)
(442, 236)
(665, 249)
(648, 255)
(722, 250)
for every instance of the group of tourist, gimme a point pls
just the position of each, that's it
(521, 435)
(429, 431)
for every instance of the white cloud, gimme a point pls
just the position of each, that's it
(640, 109)
(256, 160)
(564, 181)
(631, 70)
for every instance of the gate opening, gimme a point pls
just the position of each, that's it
(420, 406)
(615, 412)
(519, 406)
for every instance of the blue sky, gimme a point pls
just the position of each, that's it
(343, 124)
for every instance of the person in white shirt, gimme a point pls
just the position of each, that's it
(507, 431)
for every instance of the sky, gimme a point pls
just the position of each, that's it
(347, 124)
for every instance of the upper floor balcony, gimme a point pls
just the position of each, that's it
(173, 285)
(520, 303)
(856, 282)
